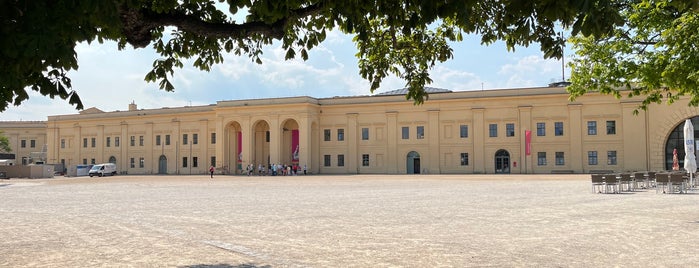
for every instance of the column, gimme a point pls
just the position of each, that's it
(479, 132)
(577, 130)
(392, 139)
(525, 161)
(434, 164)
(353, 136)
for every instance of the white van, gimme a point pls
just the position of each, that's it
(105, 169)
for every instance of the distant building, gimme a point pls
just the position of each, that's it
(453, 132)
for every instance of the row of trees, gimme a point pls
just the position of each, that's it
(645, 46)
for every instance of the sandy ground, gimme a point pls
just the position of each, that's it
(342, 221)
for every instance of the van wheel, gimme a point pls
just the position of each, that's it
(99, 174)
(90, 175)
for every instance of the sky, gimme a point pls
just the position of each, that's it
(109, 79)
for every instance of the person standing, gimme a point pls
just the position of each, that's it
(304, 169)
(211, 171)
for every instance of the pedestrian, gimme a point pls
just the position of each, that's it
(211, 170)
(304, 169)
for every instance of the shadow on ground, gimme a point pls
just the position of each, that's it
(223, 265)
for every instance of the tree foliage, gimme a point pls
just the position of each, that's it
(654, 55)
(4, 143)
(405, 38)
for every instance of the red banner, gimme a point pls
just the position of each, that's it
(527, 142)
(295, 145)
(240, 147)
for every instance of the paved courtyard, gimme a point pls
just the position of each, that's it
(342, 221)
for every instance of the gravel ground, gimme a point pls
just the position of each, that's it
(342, 221)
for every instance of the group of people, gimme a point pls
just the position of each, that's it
(275, 170)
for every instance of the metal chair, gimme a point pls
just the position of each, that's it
(661, 180)
(611, 182)
(597, 182)
(677, 183)
(626, 180)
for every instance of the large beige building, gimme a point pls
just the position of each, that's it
(453, 132)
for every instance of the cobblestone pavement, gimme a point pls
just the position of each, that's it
(342, 221)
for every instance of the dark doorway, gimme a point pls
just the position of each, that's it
(413, 163)
(502, 162)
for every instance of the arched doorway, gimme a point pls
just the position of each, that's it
(290, 142)
(162, 165)
(233, 148)
(502, 162)
(260, 141)
(676, 141)
(112, 159)
(412, 163)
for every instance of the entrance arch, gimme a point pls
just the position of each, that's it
(232, 152)
(502, 162)
(412, 163)
(676, 141)
(162, 165)
(260, 143)
(112, 159)
(290, 142)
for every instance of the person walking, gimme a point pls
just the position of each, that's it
(211, 171)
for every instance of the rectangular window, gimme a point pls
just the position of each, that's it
(340, 160)
(167, 139)
(92, 161)
(405, 133)
(326, 134)
(365, 134)
(340, 134)
(116, 141)
(611, 127)
(32, 143)
(184, 161)
(185, 139)
(365, 160)
(541, 158)
(541, 129)
(420, 132)
(133, 140)
(591, 127)
(23, 143)
(93, 142)
(195, 138)
(213, 138)
(464, 159)
(611, 157)
(84, 161)
(493, 130)
(109, 141)
(592, 157)
(133, 163)
(63, 143)
(560, 159)
(510, 130)
(140, 140)
(157, 140)
(326, 160)
(558, 128)
(213, 161)
(195, 161)
(84, 143)
(463, 131)
(141, 162)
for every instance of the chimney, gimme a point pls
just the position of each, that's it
(132, 106)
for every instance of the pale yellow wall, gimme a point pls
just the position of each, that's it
(26, 131)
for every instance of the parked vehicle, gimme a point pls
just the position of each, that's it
(106, 169)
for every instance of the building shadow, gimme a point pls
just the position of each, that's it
(224, 265)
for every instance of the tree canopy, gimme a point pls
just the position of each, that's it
(654, 54)
(4, 143)
(404, 38)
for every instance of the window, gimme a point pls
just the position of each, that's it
(420, 132)
(141, 162)
(463, 131)
(592, 157)
(591, 127)
(340, 160)
(365, 160)
(195, 161)
(611, 127)
(63, 143)
(560, 159)
(116, 141)
(326, 135)
(92, 161)
(326, 160)
(493, 130)
(109, 141)
(405, 131)
(23, 144)
(464, 159)
(140, 140)
(157, 140)
(133, 140)
(558, 128)
(341, 134)
(541, 129)
(93, 141)
(84, 143)
(32, 143)
(185, 139)
(541, 158)
(84, 161)
(195, 138)
(184, 161)
(213, 138)
(365, 134)
(167, 139)
(611, 157)
(213, 161)
(132, 163)
(510, 130)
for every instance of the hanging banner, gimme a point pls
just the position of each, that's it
(240, 147)
(527, 142)
(295, 145)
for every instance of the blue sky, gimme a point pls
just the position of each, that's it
(109, 79)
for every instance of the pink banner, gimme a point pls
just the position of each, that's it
(240, 147)
(528, 142)
(295, 145)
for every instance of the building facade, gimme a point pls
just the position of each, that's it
(528, 130)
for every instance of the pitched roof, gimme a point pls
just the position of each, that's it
(404, 91)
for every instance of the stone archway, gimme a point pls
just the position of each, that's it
(162, 164)
(290, 142)
(260, 143)
(412, 163)
(675, 140)
(233, 148)
(502, 162)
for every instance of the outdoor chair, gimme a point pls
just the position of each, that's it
(661, 180)
(640, 180)
(611, 182)
(650, 175)
(597, 182)
(677, 183)
(626, 180)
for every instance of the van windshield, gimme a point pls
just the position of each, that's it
(97, 167)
